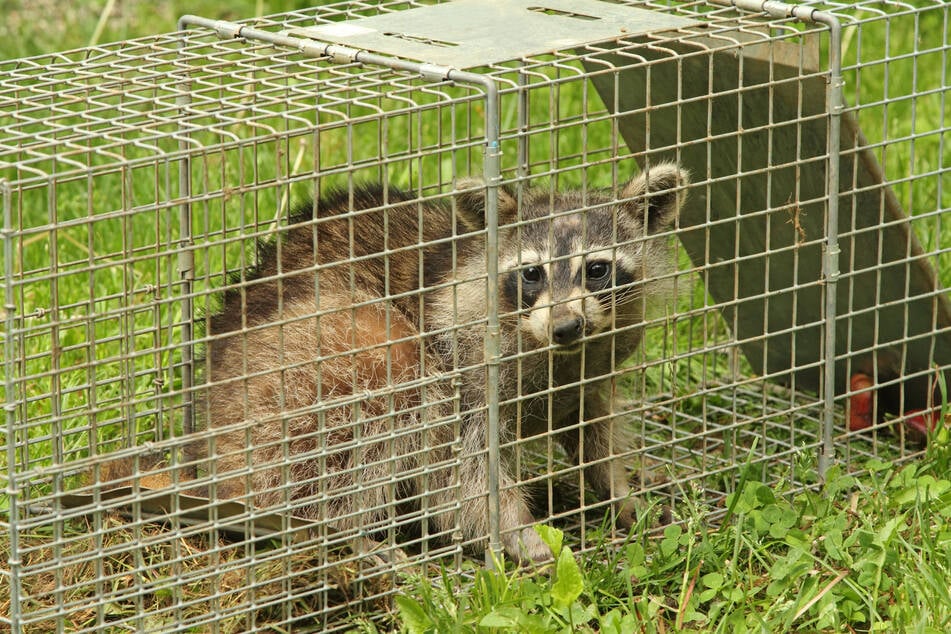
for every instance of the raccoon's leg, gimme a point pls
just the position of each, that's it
(519, 539)
(604, 442)
(522, 544)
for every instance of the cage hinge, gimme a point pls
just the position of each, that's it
(342, 54)
(186, 264)
(493, 334)
(835, 86)
(492, 163)
(434, 72)
(227, 30)
(832, 272)
(310, 48)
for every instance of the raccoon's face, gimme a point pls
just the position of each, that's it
(562, 290)
(574, 266)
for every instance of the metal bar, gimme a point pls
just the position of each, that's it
(492, 167)
(10, 407)
(186, 269)
(836, 105)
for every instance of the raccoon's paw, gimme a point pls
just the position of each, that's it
(627, 514)
(379, 553)
(527, 548)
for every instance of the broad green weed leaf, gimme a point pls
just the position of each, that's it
(568, 581)
(506, 617)
(924, 488)
(413, 615)
(552, 537)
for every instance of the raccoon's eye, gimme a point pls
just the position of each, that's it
(598, 271)
(532, 274)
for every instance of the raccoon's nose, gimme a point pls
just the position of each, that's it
(567, 330)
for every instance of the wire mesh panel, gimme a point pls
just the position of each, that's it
(149, 185)
(286, 322)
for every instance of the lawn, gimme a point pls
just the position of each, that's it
(867, 550)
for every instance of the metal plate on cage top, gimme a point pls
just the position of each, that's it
(470, 33)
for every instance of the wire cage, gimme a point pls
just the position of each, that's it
(215, 421)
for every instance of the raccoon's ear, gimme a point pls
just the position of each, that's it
(661, 190)
(470, 204)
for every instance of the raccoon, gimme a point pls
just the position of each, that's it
(373, 305)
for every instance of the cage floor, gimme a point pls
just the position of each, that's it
(196, 570)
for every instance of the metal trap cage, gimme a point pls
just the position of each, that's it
(215, 422)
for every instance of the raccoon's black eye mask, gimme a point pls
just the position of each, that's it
(526, 283)
(598, 271)
(522, 286)
(532, 275)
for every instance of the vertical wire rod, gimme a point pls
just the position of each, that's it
(10, 407)
(186, 266)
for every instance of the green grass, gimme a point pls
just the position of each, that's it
(865, 552)
(46, 26)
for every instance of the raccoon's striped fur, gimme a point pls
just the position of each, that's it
(332, 369)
